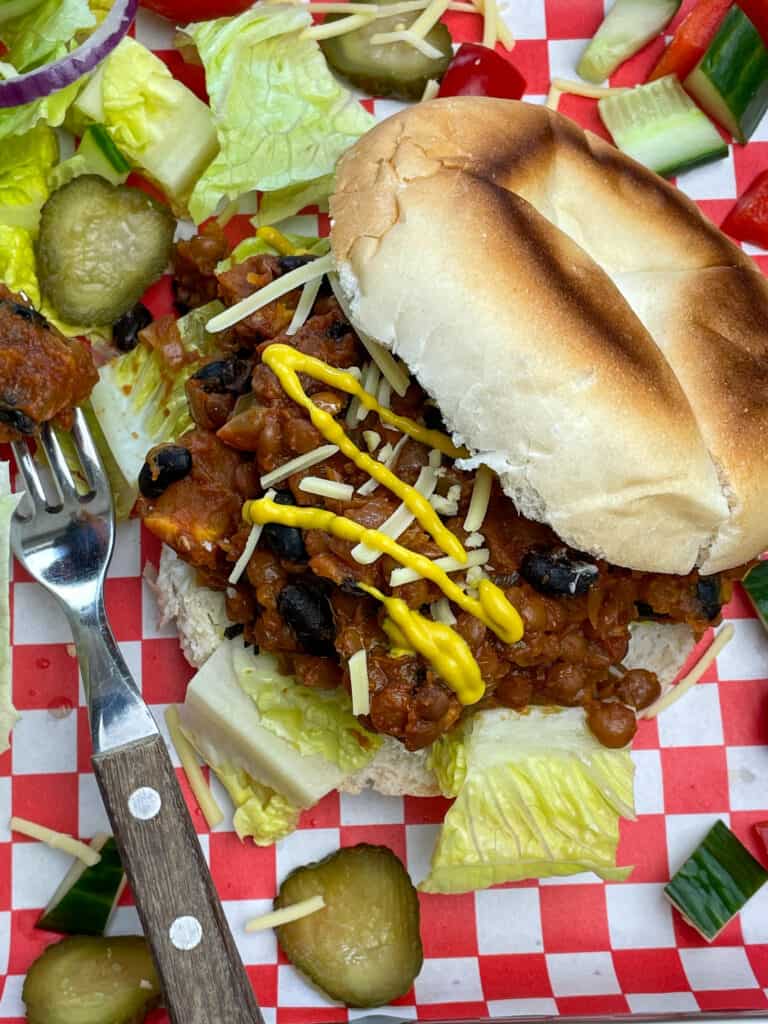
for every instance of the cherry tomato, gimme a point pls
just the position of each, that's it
(182, 11)
(479, 71)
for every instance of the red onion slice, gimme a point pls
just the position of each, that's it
(34, 85)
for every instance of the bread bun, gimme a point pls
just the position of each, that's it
(585, 331)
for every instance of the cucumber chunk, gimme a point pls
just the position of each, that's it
(363, 947)
(627, 27)
(715, 882)
(83, 903)
(661, 127)
(387, 69)
(756, 586)
(731, 79)
(96, 154)
(100, 246)
(89, 980)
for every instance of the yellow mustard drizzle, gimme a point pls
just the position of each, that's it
(490, 606)
(446, 650)
(286, 363)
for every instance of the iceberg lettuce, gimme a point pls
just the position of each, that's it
(255, 246)
(8, 502)
(50, 110)
(261, 814)
(26, 162)
(17, 262)
(45, 33)
(536, 795)
(282, 117)
(286, 202)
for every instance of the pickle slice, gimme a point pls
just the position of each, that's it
(397, 70)
(100, 246)
(363, 947)
(92, 980)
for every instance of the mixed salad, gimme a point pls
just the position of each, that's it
(108, 160)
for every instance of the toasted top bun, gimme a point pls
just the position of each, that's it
(585, 331)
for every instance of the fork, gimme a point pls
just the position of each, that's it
(65, 540)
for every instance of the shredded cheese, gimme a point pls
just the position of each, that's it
(286, 914)
(443, 506)
(329, 29)
(305, 304)
(301, 462)
(369, 383)
(388, 457)
(481, 495)
(358, 678)
(250, 546)
(435, 458)
(561, 86)
(384, 392)
(56, 840)
(429, 17)
(502, 31)
(553, 98)
(474, 540)
(326, 488)
(723, 638)
(490, 21)
(441, 612)
(431, 89)
(275, 290)
(201, 791)
(400, 519)
(406, 36)
(399, 577)
(372, 439)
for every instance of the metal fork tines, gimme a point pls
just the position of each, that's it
(63, 533)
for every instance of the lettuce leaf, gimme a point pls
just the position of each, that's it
(50, 110)
(255, 246)
(25, 164)
(536, 795)
(8, 502)
(312, 721)
(261, 814)
(286, 202)
(17, 262)
(281, 116)
(45, 33)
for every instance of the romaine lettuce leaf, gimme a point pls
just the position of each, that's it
(261, 814)
(45, 33)
(8, 502)
(17, 262)
(255, 246)
(536, 795)
(25, 164)
(312, 721)
(286, 202)
(281, 116)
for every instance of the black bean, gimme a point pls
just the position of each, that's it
(289, 263)
(125, 330)
(433, 418)
(285, 541)
(163, 466)
(29, 314)
(553, 571)
(232, 376)
(16, 419)
(234, 630)
(338, 329)
(645, 611)
(308, 612)
(708, 596)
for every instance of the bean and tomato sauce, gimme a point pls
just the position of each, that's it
(299, 597)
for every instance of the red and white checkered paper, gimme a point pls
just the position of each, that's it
(567, 945)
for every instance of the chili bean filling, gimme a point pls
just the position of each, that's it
(298, 597)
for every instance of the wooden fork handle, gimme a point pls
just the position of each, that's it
(196, 958)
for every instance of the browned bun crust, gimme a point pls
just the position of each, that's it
(584, 329)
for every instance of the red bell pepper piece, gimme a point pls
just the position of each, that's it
(761, 831)
(748, 220)
(479, 71)
(690, 42)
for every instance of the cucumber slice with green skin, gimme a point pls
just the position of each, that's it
(627, 27)
(103, 156)
(83, 903)
(731, 79)
(715, 882)
(92, 980)
(363, 947)
(756, 586)
(387, 69)
(99, 247)
(660, 126)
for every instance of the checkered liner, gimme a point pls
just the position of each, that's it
(567, 945)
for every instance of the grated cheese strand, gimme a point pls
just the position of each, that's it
(372, 439)
(490, 21)
(441, 612)
(56, 840)
(386, 458)
(305, 304)
(286, 914)
(384, 392)
(329, 29)
(327, 488)
(591, 92)
(429, 17)
(400, 519)
(250, 546)
(305, 461)
(722, 639)
(399, 577)
(358, 678)
(406, 36)
(553, 98)
(369, 383)
(201, 791)
(478, 504)
(431, 89)
(275, 290)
